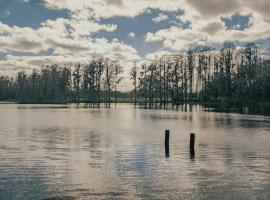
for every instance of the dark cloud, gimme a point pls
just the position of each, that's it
(214, 7)
(20, 44)
(213, 28)
(261, 6)
(114, 2)
(69, 46)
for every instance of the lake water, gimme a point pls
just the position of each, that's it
(54, 152)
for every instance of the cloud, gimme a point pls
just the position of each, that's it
(68, 40)
(19, 39)
(210, 8)
(63, 35)
(206, 26)
(113, 8)
(177, 38)
(160, 17)
(131, 34)
(75, 27)
(213, 27)
(67, 46)
(148, 11)
(158, 54)
(194, 9)
(69, 55)
(114, 2)
(203, 17)
(27, 63)
(154, 37)
(261, 7)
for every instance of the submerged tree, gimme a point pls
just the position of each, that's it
(134, 77)
(77, 82)
(117, 78)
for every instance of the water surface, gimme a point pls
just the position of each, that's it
(65, 152)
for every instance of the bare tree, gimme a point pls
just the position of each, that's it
(133, 77)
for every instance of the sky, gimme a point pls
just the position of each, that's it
(67, 32)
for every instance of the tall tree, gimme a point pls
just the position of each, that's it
(134, 77)
(77, 81)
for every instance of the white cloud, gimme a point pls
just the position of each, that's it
(176, 38)
(158, 54)
(160, 17)
(111, 8)
(131, 34)
(153, 37)
(148, 11)
(75, 27)
(63, 56)
(50, 35)
(204, 16)
(194, 9)
(19, 39)
(68, 39)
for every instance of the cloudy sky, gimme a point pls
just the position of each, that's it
(38, 32)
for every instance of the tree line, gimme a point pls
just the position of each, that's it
(231, 76)
(92, 83)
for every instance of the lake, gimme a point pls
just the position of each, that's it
(69, 152)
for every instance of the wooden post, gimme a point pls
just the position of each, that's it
(167, 137)
(192, 141)
(167, 143)
(191, 146)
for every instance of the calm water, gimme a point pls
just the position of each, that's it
(78, 153)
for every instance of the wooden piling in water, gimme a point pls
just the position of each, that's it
(192, 141)
(167, 137)
(191, 146)
(167, 143)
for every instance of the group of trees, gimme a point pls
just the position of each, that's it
(231, 76)
(6, 88)
(50, 85)
(95, 82)
(92, 83)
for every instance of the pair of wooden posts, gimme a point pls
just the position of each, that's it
(167, 143)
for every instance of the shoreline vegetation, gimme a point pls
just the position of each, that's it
(226, 79)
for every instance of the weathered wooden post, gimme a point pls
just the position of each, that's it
(192, 141)
(167, 143)
(167, 136)
(191, 145)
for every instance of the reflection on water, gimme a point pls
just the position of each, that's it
(118, 153)
(167, 150)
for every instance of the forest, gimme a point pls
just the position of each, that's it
(228, 77)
